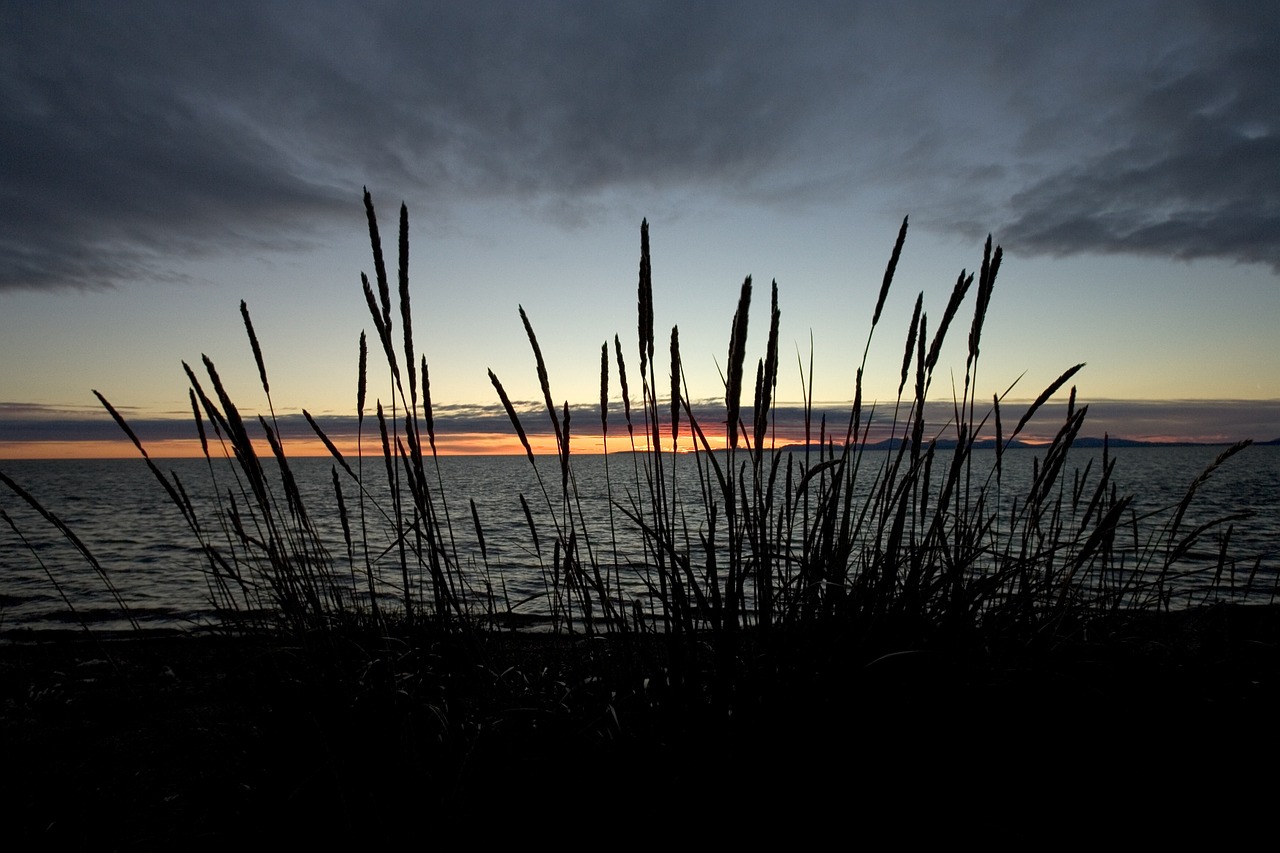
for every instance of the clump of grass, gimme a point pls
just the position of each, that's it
(911, 552)
(779, 585)
(887, 551)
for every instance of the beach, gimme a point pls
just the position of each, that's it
(145, 740)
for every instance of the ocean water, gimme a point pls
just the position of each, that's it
(159, 571)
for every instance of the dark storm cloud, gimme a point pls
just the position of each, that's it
(1191, 163)
(134, 130)
(122, 142)
(134, 135)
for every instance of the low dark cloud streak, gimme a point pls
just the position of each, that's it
(1197, 420)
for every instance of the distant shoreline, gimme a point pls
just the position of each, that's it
(129, 453)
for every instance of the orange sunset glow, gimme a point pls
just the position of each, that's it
(463, 444)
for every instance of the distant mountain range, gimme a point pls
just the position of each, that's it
(989, 443)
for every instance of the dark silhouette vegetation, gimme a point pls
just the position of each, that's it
(818, 625)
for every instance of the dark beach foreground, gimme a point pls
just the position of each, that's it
(141, 741)
(911, 639)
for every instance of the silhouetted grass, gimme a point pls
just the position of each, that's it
(770, 574)
(744, 537)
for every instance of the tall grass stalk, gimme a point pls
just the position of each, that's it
(820, 546)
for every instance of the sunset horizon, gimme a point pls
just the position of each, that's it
(1204, 422)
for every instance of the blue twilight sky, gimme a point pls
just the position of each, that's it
(159, 162)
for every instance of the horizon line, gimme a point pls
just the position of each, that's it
(39, 431)
(500, 445)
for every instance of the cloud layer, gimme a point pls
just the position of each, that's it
(1192, 167)
(1214, 421)
(135, 133)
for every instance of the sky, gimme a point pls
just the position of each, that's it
(160, 162)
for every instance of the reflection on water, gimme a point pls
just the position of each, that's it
(140, 538)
